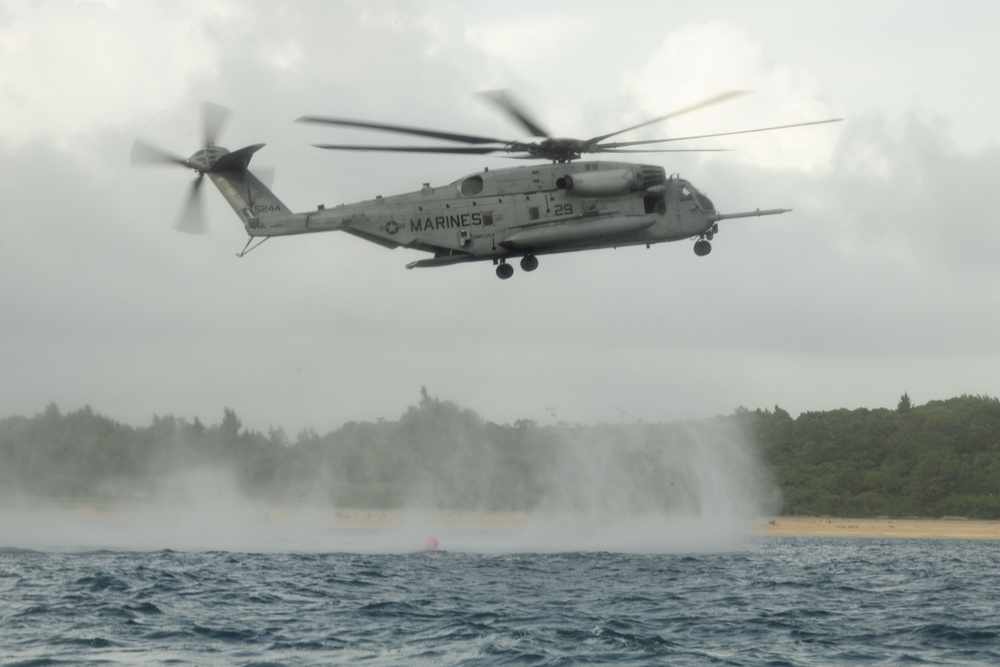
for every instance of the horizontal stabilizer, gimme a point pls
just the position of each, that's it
(235, 161)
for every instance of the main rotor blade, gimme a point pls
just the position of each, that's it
(213, 118)
(459, 150)
(601, 149)
(503, 99)
(192, 218)
(619, 144)
(402, 129)
(143, 153)
(265, 175)
(721, 97)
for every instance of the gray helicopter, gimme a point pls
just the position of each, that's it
(564, 205)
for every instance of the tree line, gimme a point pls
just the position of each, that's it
(933, 460)
(940, 459)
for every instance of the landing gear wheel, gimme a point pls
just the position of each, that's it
(702, 248)
(529, 263)
(504, 271)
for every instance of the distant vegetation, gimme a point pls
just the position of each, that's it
(938, 459)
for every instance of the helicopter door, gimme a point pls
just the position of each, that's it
(654, 204)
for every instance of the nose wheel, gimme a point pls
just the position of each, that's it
(702, 246)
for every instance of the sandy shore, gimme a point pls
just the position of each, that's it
(799, 526)
(959, 529)
(156, 519)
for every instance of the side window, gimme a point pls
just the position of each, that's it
(471, 186)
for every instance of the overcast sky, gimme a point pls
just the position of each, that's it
(884, 279)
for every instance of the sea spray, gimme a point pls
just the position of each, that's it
(439, 471)
(687, 486)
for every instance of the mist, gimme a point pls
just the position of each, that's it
(83, 482)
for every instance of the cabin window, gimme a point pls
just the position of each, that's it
(473, 185)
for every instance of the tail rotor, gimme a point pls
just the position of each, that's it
(191, 218)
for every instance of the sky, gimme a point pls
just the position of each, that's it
(883, 279)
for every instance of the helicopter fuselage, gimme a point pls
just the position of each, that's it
(514, 212)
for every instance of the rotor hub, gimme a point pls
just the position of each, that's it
(203, 159)
(558, 149)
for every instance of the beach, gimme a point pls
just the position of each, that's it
(952, 529)
(253, 526)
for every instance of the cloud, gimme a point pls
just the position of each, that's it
(696, 62)
(916, 198)
(531, 41)
(78, 64)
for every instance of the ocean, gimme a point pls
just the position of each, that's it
(758, 600)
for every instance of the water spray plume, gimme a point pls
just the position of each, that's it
(440, 475)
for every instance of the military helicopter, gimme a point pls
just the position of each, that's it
(500, 215)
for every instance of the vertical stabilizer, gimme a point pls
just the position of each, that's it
(250, 198)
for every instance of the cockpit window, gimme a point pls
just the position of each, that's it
(686, 192)
(706, 204)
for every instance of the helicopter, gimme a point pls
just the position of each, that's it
(500, 215)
